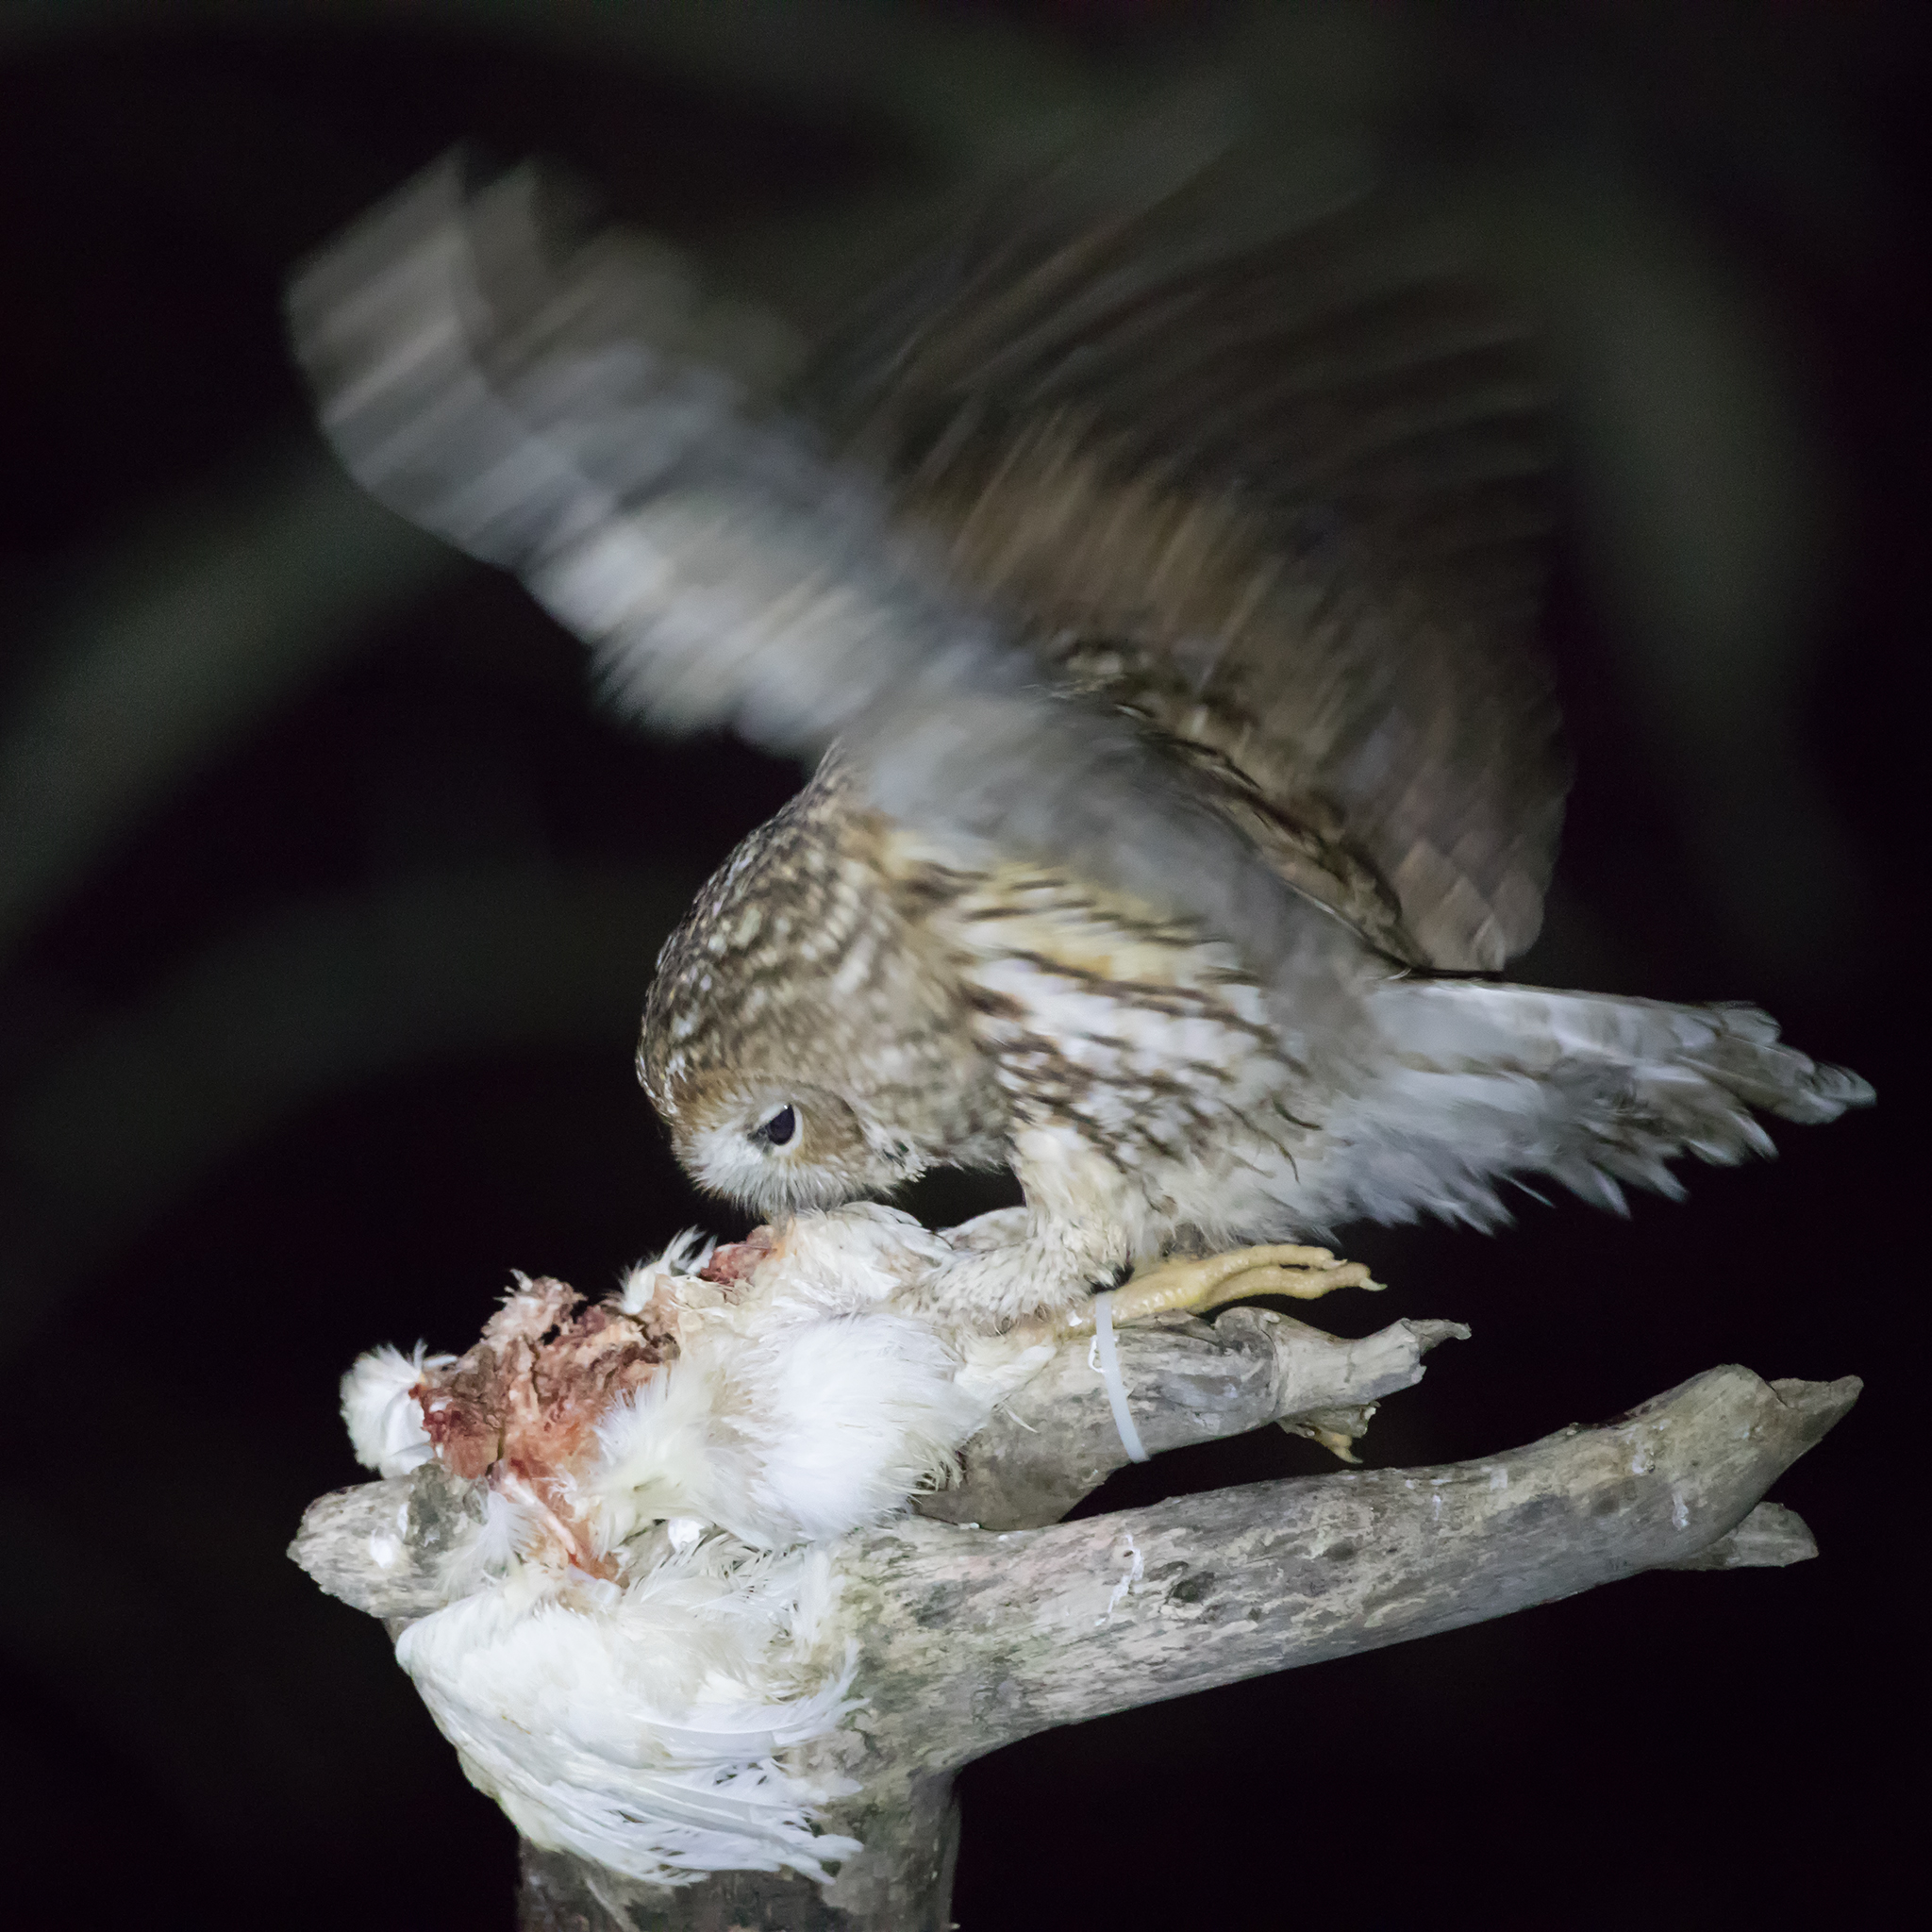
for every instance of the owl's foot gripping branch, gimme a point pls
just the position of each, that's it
(1186, 1284)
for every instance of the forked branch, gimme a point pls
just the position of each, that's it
(972, 1637)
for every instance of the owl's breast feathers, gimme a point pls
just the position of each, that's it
(1136, 1032)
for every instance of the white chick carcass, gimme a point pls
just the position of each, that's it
(810, 1395)
(642, 1633)
(787, 1389)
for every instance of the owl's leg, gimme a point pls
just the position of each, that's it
(1026, 1270)
(1190, 1285)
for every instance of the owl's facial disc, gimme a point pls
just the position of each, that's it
(778, 1147)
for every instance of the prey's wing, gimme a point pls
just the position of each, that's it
(572, 407)
(1263, 464)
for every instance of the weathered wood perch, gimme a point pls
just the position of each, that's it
(973, 1637)
(1055, 1441)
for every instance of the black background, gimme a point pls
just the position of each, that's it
(203, 1227)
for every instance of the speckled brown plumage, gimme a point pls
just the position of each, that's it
(1276, 501)
(793, 965)
(1159, 552)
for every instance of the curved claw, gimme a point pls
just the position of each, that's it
(1192, 1284)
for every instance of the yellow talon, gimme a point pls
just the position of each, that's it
(1193, 1284)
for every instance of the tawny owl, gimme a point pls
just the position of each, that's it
(1162, 557)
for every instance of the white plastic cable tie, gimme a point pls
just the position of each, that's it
(1109, 1365)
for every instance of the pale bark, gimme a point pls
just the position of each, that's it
(1054, 1442)
(1003, 1635)
(975, 1637)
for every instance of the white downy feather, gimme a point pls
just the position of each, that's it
(385, 1421)
(651, 1723)
(802, 1409)
(684, 1256)
(649, 1728)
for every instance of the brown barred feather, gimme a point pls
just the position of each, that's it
(1275, 484)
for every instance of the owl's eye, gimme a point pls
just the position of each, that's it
(778, 1130)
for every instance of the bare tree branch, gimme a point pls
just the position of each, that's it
(1054, 1442)
(1006, 1635)
(972, 1638)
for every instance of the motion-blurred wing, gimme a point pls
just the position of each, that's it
(570, 407)
(1262, 466)
(573, 411)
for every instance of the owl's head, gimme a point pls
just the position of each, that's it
(779, 1146)
(805, 1039)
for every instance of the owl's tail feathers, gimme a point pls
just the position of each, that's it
(1493, 1083)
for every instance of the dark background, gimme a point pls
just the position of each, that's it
(328, 898)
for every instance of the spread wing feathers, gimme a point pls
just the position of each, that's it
(1482, 1083)
(574, 409)
(1262, 464)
